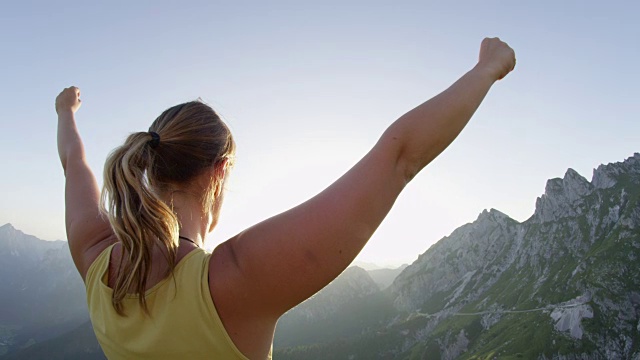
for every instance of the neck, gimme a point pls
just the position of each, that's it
(193, 221)
(189, 240)
(192, 227)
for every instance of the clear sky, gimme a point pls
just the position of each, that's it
(308, 87)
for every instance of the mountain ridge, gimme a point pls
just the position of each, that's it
(41, 294)
(563, 284)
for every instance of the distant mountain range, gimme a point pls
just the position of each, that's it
(41, 294)
(44, 312)
(564, 284)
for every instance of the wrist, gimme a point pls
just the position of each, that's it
(486, 71)
(65, 113)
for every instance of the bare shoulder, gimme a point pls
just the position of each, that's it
(250, 331)
(104, 240)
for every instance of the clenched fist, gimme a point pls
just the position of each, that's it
(496, 57)
(68, 99)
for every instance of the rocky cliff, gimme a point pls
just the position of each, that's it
(564, 284)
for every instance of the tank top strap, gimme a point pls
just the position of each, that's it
(98, 267)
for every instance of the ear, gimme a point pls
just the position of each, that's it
(221, 169)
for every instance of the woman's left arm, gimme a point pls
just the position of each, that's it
(88, 232)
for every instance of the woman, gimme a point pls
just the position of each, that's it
(152, 291)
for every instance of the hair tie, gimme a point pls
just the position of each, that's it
(155, 139)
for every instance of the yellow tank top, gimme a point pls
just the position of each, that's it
(184, 323)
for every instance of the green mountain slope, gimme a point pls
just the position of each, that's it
(564, 284)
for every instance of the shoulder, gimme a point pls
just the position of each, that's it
(224, 275)
(98, 269)
(250, 330)
(91, 254)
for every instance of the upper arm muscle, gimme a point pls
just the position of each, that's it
(86, 227)
(287, 258)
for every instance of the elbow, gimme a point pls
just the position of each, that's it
(63, 162)
(405, 162)
(412, 162)
(412, 154)
(408, 167)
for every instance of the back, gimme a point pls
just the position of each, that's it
(184, 323)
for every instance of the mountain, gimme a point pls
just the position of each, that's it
(333, 313)
(564, 284)
(384, 277)
(351, 303)
(77, 344)
(41, 293)
(367, 265)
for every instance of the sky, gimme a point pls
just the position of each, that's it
(308, 88)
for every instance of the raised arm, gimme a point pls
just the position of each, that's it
(85, 226)
(427, 130)
(280, 262)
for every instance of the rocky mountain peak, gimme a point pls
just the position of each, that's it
(606, 176)
(12, 236)
(544, 268)
(492, 215)
(16, 244)
(572, 186)
(560, 195)
(6, 230)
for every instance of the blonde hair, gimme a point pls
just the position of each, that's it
(193, 138)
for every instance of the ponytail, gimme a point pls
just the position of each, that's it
(139, 218)
(184, 142)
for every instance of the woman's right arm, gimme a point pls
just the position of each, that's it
(88, 232)
(427, 130)
(280, 262)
